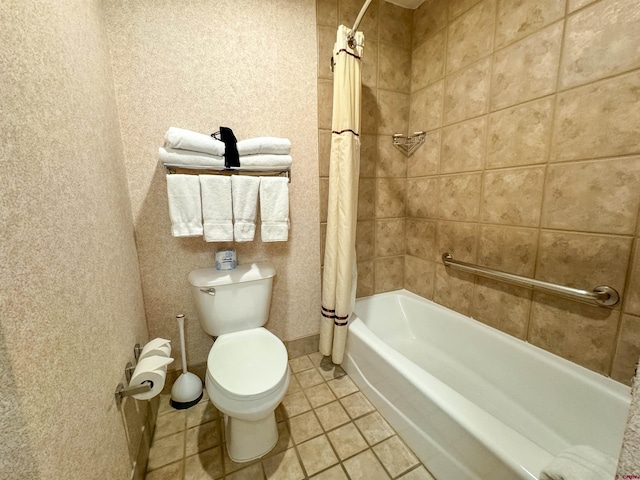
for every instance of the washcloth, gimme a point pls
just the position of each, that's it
(274, 209)
(217, 212)
(580, 462)
(262, 145)
(629, 461)
(184, 205)
(196, 142)
(185, 157)
(244, 191)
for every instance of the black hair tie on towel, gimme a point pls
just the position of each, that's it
(231, 157)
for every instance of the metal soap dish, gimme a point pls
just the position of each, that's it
(408, 144)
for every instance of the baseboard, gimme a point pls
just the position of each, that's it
(303, 346)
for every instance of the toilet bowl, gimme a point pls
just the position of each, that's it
(247, 368)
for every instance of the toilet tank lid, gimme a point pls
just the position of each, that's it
(210, 277)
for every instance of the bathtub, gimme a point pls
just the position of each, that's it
(472, 402)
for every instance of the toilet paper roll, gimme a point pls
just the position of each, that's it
(150, 369)
(156, 347)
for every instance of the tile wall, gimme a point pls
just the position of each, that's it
(531, 166)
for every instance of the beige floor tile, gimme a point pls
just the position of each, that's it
(284, 466)
(164, 405)
(365, 466)
(356, 405)
(332, 415)
(254, 472)
(347, 441)
(419, 473)
(205, 465)
(319, 395)
(395, 456)
(317, 455)
(170, 423)
(166, 450)
(330, 371)
(317, 358)
(284, 440)
(203, 412)
(299, 364)
(203, 437)
(334, 473)
(374, 428)
(168, 472)
(342, 386)
(309, 378)
(231, 466)
(294, 386)
(295, 404)
(303, 427)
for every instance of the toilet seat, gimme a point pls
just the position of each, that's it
(248, 365)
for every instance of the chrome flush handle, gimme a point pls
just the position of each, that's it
(210, 291)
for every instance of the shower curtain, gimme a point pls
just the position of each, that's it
(340, 275)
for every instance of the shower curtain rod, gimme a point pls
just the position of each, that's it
(351, 40)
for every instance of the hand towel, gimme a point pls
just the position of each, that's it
(274, 209)
(217, 212)
(244, 191)
(184, 205)
(259, 145)
(580, 462)
(185, 157)
(193, 141)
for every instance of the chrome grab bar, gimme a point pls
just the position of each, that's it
(602, 295)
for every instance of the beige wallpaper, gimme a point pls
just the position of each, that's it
(531, 166)
(71, 298)
(198, 65)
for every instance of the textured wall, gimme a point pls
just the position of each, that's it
(71, 299)
(530, 166)
(198, 65)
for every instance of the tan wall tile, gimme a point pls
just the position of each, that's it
(324, 198)
(327, 12)
(600, 41)
(458, 7)
(324, 152)
(578, 332)
(513, 196)
(466, 92)
(394, 68)
(349, 10)
(429, 18)
(576, 4)
(583, 261)
(323, 241)
(326, 39)
(510, 249)
(426, 108)
(421, 238)
(463, 146)
(459, 196)
(628, 351)
(527, 69)
(427, 61)
(470, 37)
(453, 289)
(389, 274)
(325, 103)
(365, 279)
(368, 155)
(391, 161)
(597, 196)
(395, 25)
(426, 159)
(422, 197)
(390, 197)
(598, 120)
(419, 276)
(502, 306)
(369, 70)
(519, 19)
(394, 112)
(365, 240)
(390, 235)
(520, 135)
(366, 199)
(457, 238)
(369, 111)
(632, 302)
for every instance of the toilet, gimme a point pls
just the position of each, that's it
(247, 368)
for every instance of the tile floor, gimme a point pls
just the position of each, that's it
(328, 431)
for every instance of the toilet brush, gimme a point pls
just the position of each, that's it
(187, 389)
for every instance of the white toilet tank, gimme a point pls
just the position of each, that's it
(232, 300)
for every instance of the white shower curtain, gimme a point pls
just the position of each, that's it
(340, 275)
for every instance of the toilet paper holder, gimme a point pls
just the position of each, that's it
(122, 391)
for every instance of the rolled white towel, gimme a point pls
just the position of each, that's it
(217, 211)
(185, 209)
(196, 142)
(264, 145)
(274, 209)
(244, 191)
(248, 162)
(580, 462)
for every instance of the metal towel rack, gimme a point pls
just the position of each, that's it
(602, 295)
(221, 170)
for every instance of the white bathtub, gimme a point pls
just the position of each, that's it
(472, 402)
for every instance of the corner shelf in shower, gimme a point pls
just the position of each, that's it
(408, 144)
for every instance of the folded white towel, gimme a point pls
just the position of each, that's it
(580, 462)
(270, 145)
(185, 157)
(185, 210)
(274, 209)
(244, 191)
(193, 141)
(217, 212)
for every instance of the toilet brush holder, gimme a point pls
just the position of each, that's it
(187, 389)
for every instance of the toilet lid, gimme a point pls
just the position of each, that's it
(248, 363)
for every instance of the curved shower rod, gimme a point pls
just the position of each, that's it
(351, 41)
